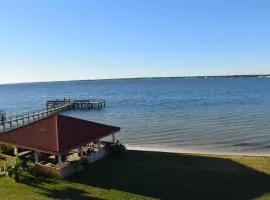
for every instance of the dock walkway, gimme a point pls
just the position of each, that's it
(83, 104)
(8, 123)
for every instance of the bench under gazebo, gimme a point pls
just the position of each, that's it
(58, 142)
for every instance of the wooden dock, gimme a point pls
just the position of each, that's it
(82, 104)
(8, 123)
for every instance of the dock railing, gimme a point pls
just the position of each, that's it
(52, 107)
(16, 121)
(79, 103)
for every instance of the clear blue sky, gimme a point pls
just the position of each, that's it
(63, 40)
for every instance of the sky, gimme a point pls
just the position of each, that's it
(95, 39)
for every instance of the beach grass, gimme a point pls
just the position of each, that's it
(152, 175)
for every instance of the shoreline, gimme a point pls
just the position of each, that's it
(194, 151)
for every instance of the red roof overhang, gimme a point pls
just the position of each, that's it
(57, 134)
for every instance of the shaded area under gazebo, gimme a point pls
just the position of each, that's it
(59, 142)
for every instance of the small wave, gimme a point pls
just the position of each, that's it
(243, 144)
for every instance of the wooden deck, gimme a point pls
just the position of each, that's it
(83, 104)
(52, 107)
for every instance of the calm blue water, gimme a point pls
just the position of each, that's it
(224, 114)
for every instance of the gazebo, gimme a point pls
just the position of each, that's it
(60, 137)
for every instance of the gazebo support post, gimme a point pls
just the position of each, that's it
(98, 144)
(79, 151)
(16, 151)
(59, 160)
(36, 156)
(113, 138)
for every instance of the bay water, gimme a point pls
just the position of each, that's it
(229, 115)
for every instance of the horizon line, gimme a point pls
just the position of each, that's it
(143, 77)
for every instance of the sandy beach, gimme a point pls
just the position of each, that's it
(194, 151)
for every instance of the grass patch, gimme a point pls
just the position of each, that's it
(153, 175)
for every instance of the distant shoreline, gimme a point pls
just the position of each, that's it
(150, 78)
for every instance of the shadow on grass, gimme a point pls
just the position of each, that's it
(175, 176)
(36, 181)
(67, 193)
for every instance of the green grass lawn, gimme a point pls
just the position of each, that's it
(152, 175)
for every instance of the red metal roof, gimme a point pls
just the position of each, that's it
(57, 134)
